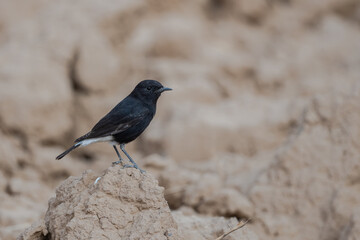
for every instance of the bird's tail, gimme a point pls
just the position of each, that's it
(67, 151)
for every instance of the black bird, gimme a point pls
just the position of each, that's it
(126, 121)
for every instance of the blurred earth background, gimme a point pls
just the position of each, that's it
(263, 121)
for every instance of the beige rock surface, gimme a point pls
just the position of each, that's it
(123, 204)
(192, 226)
(36, 231)
(262, 123)
(206, 192)
(351, 230)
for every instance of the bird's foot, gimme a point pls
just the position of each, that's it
(134, 166)
(127, 166)
(117, 162)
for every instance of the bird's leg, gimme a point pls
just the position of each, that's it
(122, 147)
(118, 154)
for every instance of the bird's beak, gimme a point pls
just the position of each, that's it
(163, 89)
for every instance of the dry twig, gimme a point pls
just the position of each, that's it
(238, 226)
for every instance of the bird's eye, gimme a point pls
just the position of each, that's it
(148, 88)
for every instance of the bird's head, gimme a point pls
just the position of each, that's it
(149, 90)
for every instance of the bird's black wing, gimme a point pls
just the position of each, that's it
(114, 123)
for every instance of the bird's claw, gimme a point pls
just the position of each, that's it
(117, 162)
(127, 166)
(134, 166)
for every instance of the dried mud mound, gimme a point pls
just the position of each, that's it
(123, 204)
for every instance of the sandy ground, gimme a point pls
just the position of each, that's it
(263, 122)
